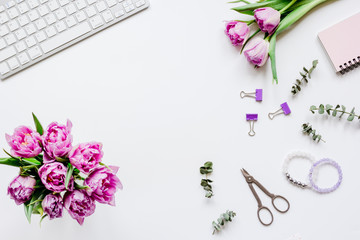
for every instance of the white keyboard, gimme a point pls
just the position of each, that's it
(31, 30)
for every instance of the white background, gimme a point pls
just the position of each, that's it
(161, 92)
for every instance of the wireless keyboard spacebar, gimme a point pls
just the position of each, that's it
(65, 37)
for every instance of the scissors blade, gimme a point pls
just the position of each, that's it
(245, 173)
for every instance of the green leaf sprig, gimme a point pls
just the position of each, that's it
(205, 182)
(305, 76)
(333, 111)
(307, 129)
(225, 217)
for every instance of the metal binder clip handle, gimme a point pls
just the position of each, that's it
(257, 94)
(251, 118)
(285, 109)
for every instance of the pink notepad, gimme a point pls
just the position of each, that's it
(341, 42)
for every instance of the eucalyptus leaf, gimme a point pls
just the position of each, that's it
(225, 217)
(304, 78)
(308, 130)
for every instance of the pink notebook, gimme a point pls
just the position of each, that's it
(342, 43)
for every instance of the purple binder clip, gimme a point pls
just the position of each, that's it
(258, 94)
(251, 118)
(283, 110)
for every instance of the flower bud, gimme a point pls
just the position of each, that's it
(53, 205)
(21, 188)
(267, 18)
(257, 51)
(238, 32)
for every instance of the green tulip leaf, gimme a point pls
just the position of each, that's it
(38, 126)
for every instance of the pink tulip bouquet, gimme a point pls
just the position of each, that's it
(272, 17)
(55, 175)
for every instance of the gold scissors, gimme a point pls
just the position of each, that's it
(250, 180)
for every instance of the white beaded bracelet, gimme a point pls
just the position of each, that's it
(291, 156)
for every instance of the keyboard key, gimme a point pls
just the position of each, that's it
(23, 8)
(34, 52)
(30, 41)
(91, 1)
(4, 68)
(111, 2)
(20, 34)
(101, 6)
(65, 37)
(90, 11)
(80, 16)
(13, 13)
(96, 22)
(140, 3)
(23, 20)
(40, 24)
(43, 10)
(2, 43)
(13, 25)
(40, 36)
(20, 46)
(119, 13)
(33, 15)
(129, 8)
(60, 26)
(2, 8)
(3, 30)
(107, 15)
(50, 18)
(13, 63)
(70, 9)
(33, 3)
(60, 13)
(30, 28)
(63, 2)
(70, 21)
(10, 4)
(50, 31)
(3, 18)
(23, 58)
(10, 38)
(80, 4)
(53, 5)
(6, 53)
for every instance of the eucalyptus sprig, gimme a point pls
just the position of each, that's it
(330, 110)
(205, 182)
(307, 129)
(305, 76)
(225, 217)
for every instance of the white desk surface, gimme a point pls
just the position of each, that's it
(161, 92)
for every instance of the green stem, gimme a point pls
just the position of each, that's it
(247, 22)
(287, 6)
(253, 35)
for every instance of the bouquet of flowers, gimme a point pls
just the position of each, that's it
(272, 18)
(56, 175)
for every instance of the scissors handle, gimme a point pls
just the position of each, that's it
(282, 198)
(262, 208)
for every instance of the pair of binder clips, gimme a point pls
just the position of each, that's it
(252, 117)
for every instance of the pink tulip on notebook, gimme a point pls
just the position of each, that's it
(341, 42)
